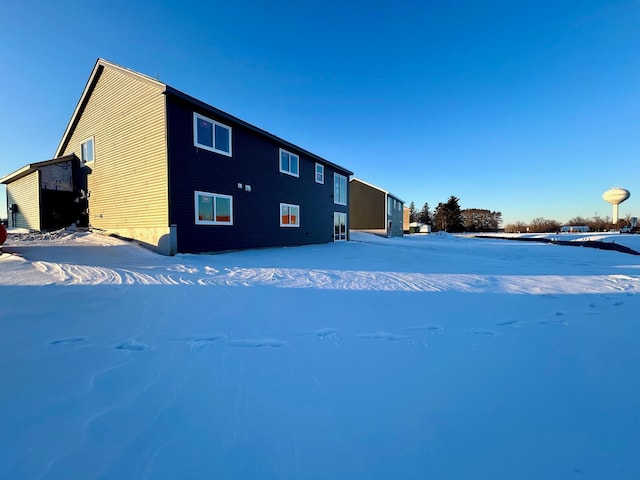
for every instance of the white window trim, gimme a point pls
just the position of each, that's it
(289, 225)
(196, 117)
(316, 172)
(297, 175)
(93, 143)
(214, 195)
(346, 183)
(336, 237)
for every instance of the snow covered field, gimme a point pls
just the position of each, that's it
(424, 357)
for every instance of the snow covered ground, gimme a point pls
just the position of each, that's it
(423, 357)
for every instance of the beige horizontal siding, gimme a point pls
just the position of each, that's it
(25, 193)
(129, 182)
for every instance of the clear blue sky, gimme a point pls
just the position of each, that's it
(530, 108)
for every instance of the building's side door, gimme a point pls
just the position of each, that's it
(339, 226)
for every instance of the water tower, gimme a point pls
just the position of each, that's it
(615, 197)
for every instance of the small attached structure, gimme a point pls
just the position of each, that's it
(374, 210)
(47, 195)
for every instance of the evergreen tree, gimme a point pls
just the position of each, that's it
(454, 214)
(448, 216)
(424, 216)
(413, 215)
(440, 218)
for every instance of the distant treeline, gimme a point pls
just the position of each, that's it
(542, 225)
(449, 217)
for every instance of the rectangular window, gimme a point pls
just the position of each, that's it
(289, 163)
(213, 209)
(339, 189)
(86, 151)
(319, 173)
(211, 135)
(289, 215)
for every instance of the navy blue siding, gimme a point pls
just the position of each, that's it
(255, 162)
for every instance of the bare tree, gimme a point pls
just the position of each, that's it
(481, 220)
(518, 227)
(540, 225)
(578, 221)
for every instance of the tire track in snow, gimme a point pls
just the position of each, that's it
(71, 274)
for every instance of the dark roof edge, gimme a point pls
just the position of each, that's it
(32, 167)
(164, 88)
(177, 93)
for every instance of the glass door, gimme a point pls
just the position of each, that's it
(339, 226)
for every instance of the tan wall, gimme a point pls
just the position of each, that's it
(25, 193)
(128, 184)
(406, 215)
(366, 207)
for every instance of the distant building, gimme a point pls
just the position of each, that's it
(574, 228)
(374, 210)
(406, 219)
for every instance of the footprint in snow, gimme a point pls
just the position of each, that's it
(509, 323)
(553, 322)
(325, 332)
(487, 333)
(204, 342)
(380, 334)
(67, 341)
(132, 345)
(258, 343)
(424, 328)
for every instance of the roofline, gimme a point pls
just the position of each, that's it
(99, 66)
(32, 167)
(179, 94)
(166, 89)
(377, 188)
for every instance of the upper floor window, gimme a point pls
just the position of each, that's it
(339, 189)
(319, 173)
(289, 215)
(211, 135)
(86, 151)
(289, 163)
(213, 209)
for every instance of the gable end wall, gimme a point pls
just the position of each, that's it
(128, 183)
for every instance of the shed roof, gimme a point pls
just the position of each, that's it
(32, 167)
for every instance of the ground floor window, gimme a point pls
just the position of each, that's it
(339, 226)
(213, 209)
(289, 215)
